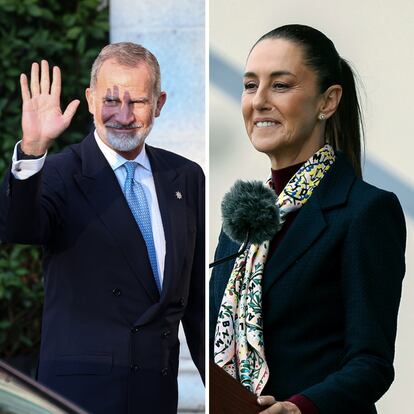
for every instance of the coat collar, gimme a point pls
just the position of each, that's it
(334, 189)
(115, 160)
(332, 192)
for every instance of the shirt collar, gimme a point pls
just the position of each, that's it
(115, 160)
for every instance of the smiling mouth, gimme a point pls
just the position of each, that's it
(265, 124)
(123, 128)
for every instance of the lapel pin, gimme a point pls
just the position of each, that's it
(178, 195)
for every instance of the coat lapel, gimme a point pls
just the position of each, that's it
(169, 189)
(100, 186)
(310, 223)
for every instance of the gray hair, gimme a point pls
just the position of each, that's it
(130, 55)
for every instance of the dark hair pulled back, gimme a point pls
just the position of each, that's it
(344, 129)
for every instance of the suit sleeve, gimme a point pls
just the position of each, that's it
(372, 270)
(194, 317)
(31, 209)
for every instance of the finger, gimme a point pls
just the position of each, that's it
(266, 400)
(70, 111)
(44, 77)
(24, 87)
(274, 409)
(55, 90)
(34, 80)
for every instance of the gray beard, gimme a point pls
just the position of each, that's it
(126, 142)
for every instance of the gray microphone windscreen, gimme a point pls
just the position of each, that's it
(250, 206)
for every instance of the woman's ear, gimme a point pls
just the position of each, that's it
(331, 98)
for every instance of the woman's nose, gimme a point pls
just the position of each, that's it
(260, 100)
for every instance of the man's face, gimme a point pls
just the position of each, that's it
(123, 104)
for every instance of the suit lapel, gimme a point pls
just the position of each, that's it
(306, 228)
(101, 188)
(310, 223)
(173, 213)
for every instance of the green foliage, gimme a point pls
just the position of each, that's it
(21, 298)
(68, 34)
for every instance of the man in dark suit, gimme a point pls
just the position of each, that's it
(122, 227)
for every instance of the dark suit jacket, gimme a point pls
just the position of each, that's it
(109, 341)
(331, 294)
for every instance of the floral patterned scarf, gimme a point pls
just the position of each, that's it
(238, 342)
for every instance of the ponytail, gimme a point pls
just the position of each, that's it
(344, 130)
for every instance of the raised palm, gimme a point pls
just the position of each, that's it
(42, 117)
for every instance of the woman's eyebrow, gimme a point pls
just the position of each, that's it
(273, 74)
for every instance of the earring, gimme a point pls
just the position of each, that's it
(322, 116)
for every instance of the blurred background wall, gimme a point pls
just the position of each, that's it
(174, 31)
(376, 37)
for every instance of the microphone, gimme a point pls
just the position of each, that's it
(250, 215)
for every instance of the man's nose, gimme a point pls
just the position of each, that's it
(125, 114)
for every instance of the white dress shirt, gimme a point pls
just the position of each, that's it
(23, 169)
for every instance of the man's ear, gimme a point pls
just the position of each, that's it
(160, 103)
(331, 98)
(91, 100)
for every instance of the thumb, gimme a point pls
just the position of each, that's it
(266, 400)
(70, 111)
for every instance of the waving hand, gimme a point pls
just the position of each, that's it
(42, 117)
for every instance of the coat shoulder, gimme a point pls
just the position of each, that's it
(373, 209)
(363, 195)
(173, 159)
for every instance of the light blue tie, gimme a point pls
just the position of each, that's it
(135, 195)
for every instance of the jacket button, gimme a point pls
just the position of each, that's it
(116, 292)
(182, 302)
(134, 367)
(135, 329)
(166, 333)
(164, 372)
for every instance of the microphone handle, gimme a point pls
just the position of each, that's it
(234, 255)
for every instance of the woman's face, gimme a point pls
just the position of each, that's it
(281, 103)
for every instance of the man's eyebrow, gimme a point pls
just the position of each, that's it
(140, 100)
(116, 99)
(109, 97)
(273, 74)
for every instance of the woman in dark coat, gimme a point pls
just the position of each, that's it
(307, 320)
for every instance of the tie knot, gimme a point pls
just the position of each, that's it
(130, 168)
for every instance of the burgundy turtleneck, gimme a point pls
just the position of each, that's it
(279, 180)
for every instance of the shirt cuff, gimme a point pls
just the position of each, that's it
(23, 169)
(305, 405)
